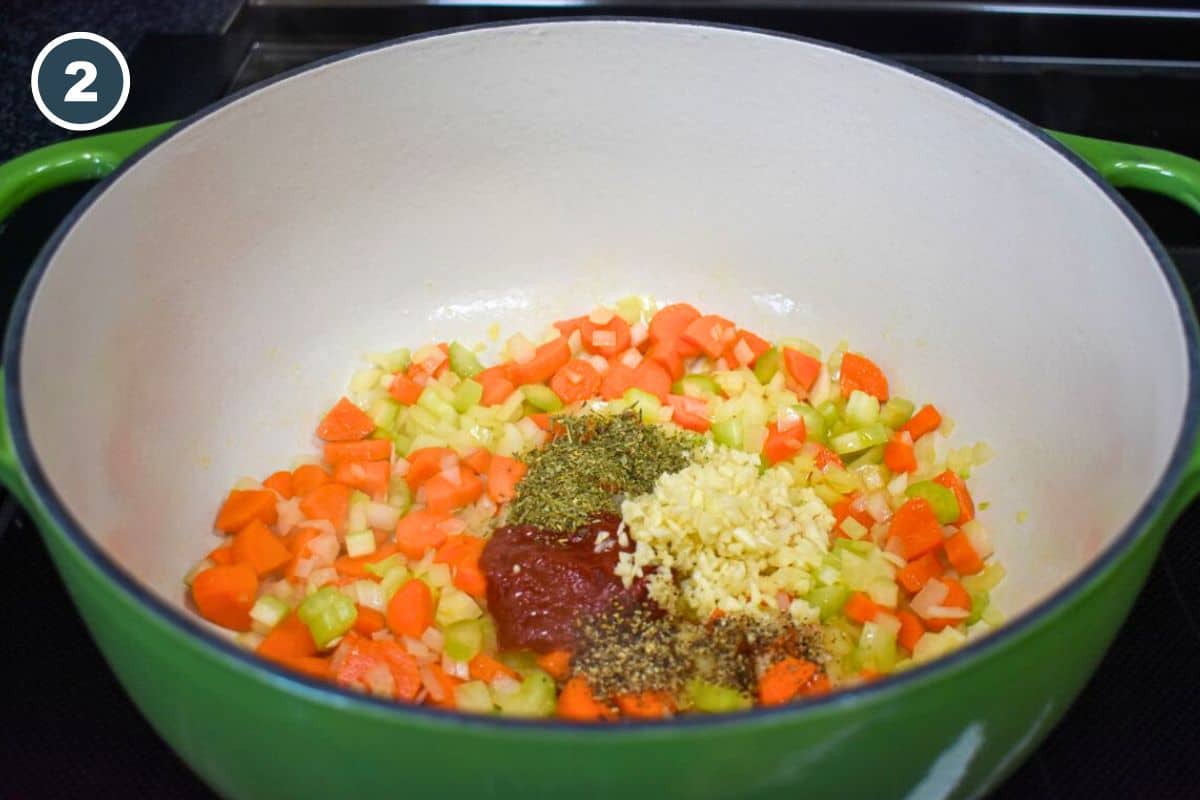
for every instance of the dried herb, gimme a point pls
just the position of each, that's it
(590, 464)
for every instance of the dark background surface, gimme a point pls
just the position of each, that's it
(67, 730)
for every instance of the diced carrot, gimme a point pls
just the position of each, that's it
(605, 340)
(617, 380)
(356, 566)
(845, 508)
(542, 420)
(362, 657)
(289, 639)
(410, 611)
(576, 702)
(577, 381)
(478, 459)
(668, 357)
(370, 477)
(307, 477)
(568, 326)
(443, 494)
(257, 546)
(470, 580)
(547, 360)
(330, 502)
(485, 668)
(784, 680)
(556, 663)
(404, 389)
(243, 506)
(899, 455)
(448, 684)
(496, 385)
(962, 555)
(670, 322)
(460, 549)
(966, 506)
(420, 530)
(368, 621)
(801, 367)
(366, 450)
(711, 334)
(826, 457)
(783, 445)
(915, 574)
(911, 630)
(503, 475)
(225, 595)
(690, 412)
(956, 597)
(297, 544)
(868, 674)
(312, 666)
(345, 422)
(927, 420)
(646, 705)
(860, 608)
(222, 555)
(916, 528)
(860, 372)
(280, 483)
(756, 346)
(652, 378)
(423, 464)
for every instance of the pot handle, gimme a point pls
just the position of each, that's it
(27, 176)
(1162, 172)
(84, 159)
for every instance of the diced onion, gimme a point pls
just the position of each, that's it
(417, 649)
(324, 547)
(894, 559)
(456, 669)
(898, 484)
(630, 358)
(859, 503)
(599, 363)
(503, 684)
(929, 598)
(381, 516)
(979, 537)
(743, 353)
(360, 543)
(521, 349)
(379, 681)
(370, 595)
(878, 507)
(786, 418)
(383, 636)
(575, 342)
(289, 514)
(319, 577)
(433, 639)
(887, 622)
(304, 567)
(604, 338)
(638, 333)
(601, 315)
(246, 484)
(948, 612)
(401, 467)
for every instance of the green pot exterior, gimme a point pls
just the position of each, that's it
(252, 734)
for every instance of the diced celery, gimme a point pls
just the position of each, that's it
(542, 398)
(399, 495)
(467, 394)
(464, 639)
(647, 403)
(859, 440)
(841, 480)
(715, 699)
(979, 602)
(884, 591)
(876, 647)
(463, 362)
(940, 499)
(868, 458)
(474, 697)
(268, 610)
(985, 581)
(853, 528)
(828, 600)
(394, 361)
(393, 579)
(862, 409)
(932, 645)
(522, 662)
(855, 546)
(454, 606)
(384, 412)
(814, 423)
(436, 576)
(382, 568)
(510, 409)
(829, 496)
(490, 645)
(431, 401)
(360, 543)
(803, 345)
(328, 614)
(728, 432)
(534, 698)
(633, 309)
(696, 386)
(831, 410)
(364, 380)
(895, 412)
(767, 365)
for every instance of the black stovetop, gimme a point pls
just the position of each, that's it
(67, 729)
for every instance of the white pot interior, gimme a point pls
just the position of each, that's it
(202, 314)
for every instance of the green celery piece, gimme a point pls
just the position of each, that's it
(872, 456)
(831, 411)
(859, 440)
(979, 603)
(940, 499)
(463, 362)
(328, 614)
(467, 395)
(700, 385)
(895, 412)
(432, 402)
(541, 397)
(522, 662)
(714, 699)
(464, 639)
(728, 433)
(768, 365)
(828, 599)
(381, 568)
(647, 403)
(535, 698)
(814, 423)
(473, 697)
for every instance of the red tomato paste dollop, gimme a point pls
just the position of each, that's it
(540, 583)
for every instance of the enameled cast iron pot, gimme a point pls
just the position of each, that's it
(190, 320)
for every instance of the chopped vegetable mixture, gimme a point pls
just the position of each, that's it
(643, 513)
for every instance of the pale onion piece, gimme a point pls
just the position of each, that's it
(639, 333)
(520, 349)
(906, 438)
(417, 649)
(429, 355)
(503, 684)
(859, 503)
(599, 363)
(947, 426)
(320, 577)
(401, 467)
(433, 639)
(360, 543)
(822, 388)
(898, 484)
(486, 505)
(721, 365)
(948, 612)
(930, 597)
(324, 548)
(878, 507)
(894, 559)
(887, 622)
(370, 594)
(872, 476)
(979, 537)
(528, 428)
(575, 342)
(786, 418)
(604, 338)
(453, 472)
(379, 681)
(289, 514)
(304, 567)
(246, 485)
(358, 515)
(381, 516)
(743, 353)
(432, 685)
(456, 669)
(630, 358)
(601, 315)
(452, 526)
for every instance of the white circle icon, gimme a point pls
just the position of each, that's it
(80, 81)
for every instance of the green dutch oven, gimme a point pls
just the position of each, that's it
(190, 319)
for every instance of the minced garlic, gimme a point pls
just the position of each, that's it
(726, 536)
